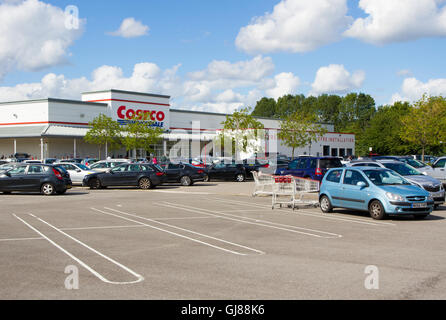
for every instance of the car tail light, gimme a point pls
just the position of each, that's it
(318, 171)
(57, 174)
(200, 171)
(159, 174)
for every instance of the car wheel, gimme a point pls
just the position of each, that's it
(145, 183)
(420, 216)
(325, 204)
(186, 181)
(95, 184)
(206, 178)
(47, 189)
(240, 177)
(376, 210)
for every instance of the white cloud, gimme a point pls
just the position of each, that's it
(295, 26)
(283, 83)
(336, 79)
(131, 28)
(413, 89)
(399, 20)
(221, 87)
(33, 36)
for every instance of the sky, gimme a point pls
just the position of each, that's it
(222, 55)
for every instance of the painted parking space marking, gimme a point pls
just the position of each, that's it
(21, 239)
(138, 277)
(258, 222)
(119, 214)
(331, 216)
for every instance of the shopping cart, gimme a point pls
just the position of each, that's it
(290, 191)
(263, 183)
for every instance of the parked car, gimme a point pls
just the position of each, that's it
(185, 173)
(50, 161)
(420, 166)
(310, 167)
(427, 158)
(34, 177)
(145, 176)
(8, 166)
(439, 169)
(77, 171)
(379, 191)
(431, 185)
(89, 161)
(32, 161)
(106, 165)
(224, 171)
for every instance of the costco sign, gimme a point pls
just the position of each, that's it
(129, 113)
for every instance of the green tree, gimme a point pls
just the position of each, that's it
(104, 132)
(383, 133)
(242, 129)
(425, 125)
(265, 107)
(299, 130)
(140, 135)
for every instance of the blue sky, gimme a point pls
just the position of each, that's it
(395, 57)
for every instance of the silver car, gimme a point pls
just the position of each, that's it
(430, 184)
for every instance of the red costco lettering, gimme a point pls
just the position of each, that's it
(124, 113)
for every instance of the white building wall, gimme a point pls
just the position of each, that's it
(24, 112)
(74, 113)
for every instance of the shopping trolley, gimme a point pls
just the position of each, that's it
(289, 190)
(263, 183)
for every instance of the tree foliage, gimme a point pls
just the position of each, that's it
(104, 131)
(300, 129)
(242, 129)
(140, 135)
(424, 125)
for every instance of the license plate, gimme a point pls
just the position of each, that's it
(419, 205)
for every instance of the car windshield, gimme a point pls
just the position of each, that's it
(385, 177)
(403, 169)
(414, 163)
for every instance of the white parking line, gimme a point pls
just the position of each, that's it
(330, 216)
(177, 234)
(20, 239)
(263, 223)
(86, 266)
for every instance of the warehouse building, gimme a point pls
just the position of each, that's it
(55, 128)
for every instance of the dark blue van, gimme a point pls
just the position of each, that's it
(310, 167)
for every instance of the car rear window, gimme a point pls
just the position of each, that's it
(330, 163)
(334, 176)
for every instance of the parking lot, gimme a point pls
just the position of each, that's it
(210, 241)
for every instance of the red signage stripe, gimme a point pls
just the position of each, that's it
(131, 101)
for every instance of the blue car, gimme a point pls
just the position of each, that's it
(379, 191)
(310, 167)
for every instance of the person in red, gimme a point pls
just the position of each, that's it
(154, 160)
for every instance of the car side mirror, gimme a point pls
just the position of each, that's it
(78, 170)
(361, 184)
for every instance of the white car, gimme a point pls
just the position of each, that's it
(439, 169)
(106, 165)
(77, 171)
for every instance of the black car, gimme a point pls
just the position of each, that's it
(35, 177)
(224, 171)
(145, 176)
(251, 166)
(185, 173)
